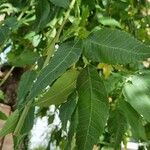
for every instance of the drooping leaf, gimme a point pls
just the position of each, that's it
(62, 3)
(25, 58)
(67, 54)
(42, 14)
(117, 125)
(134, 119)
(2, 116)
(92, 108)
(114, 46)
(66, 109)
(137, 93)
(60, 90)
(10, 124)
(24, 86)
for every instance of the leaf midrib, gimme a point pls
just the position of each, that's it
(120, 49)
(55, 67)
(91, 109)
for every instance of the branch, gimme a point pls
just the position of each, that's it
(55, 40)
(6, 76)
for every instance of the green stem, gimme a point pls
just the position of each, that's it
(6, 76)
(56, 39)
(22, 118)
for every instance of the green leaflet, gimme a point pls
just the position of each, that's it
(66, 109)
(60, 90)
(106, 21)
(92, 108)
(62, 3)
(42, 14)
(67, 54)
(2, 116)
(134, 119)
(117, 125)
(24, 86)
(137, 93)
(10, 124)
(114, 46)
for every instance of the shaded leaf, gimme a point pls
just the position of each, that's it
(66, 109)
(114, 46)
(92, 108)
(25, 58)
(24, 86)
(90, 3)
(29, 121)
(67, 54)
(6, 28)
(42, 14)
(62, 3)
(72, 130)
(19, 3)
(51, 119)
(10, 124)
(134, 119)
(137, 93)
(117, 125)
(60, 90)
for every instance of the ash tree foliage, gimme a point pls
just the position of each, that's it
(85, 57)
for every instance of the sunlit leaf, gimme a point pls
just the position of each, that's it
(114, 46)
(137, 93)
(109, 22)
